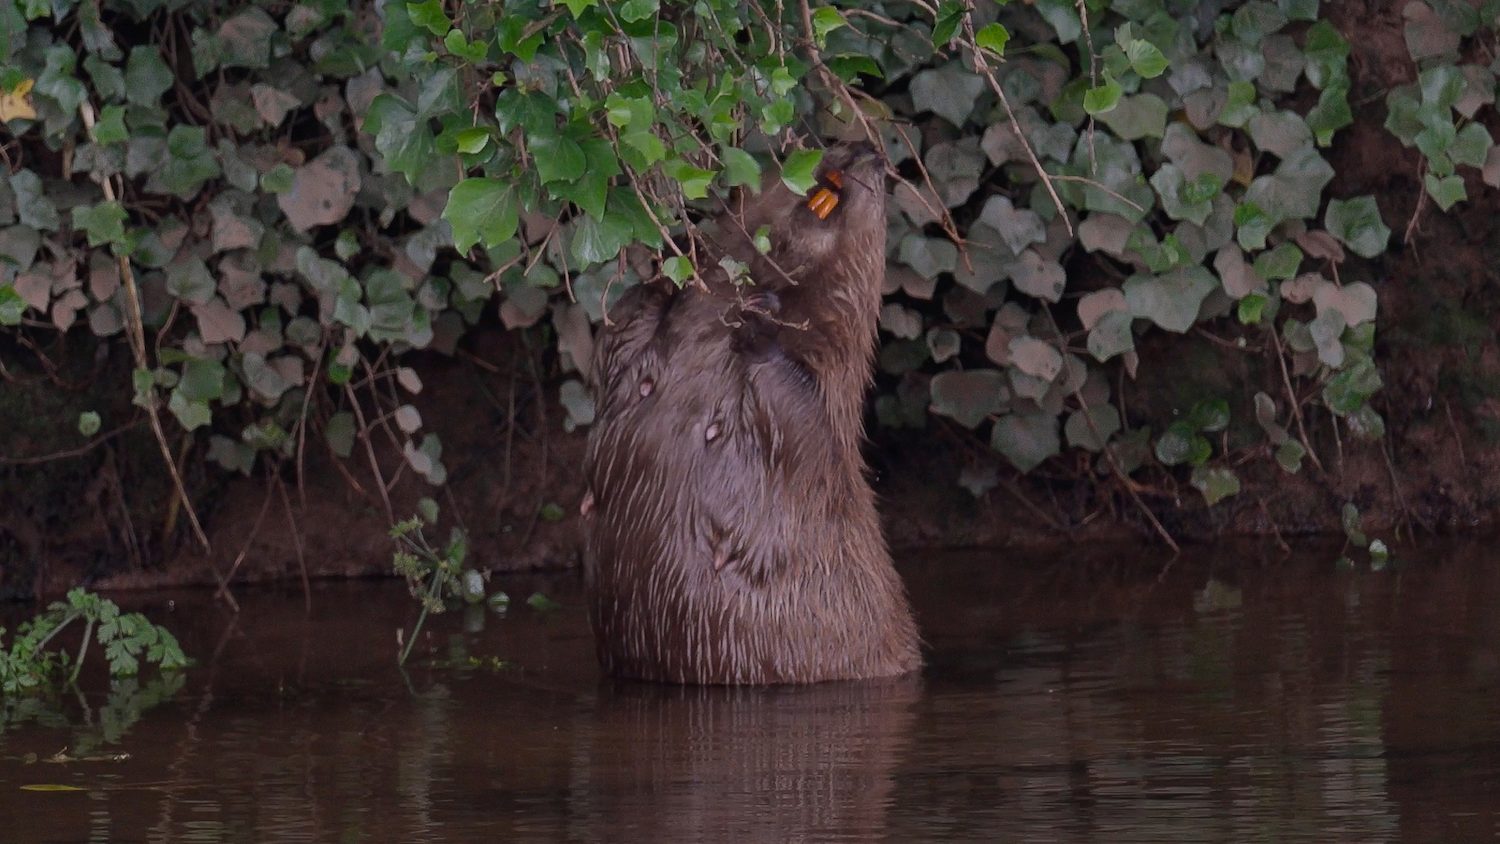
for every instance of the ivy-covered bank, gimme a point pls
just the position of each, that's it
(271, 272)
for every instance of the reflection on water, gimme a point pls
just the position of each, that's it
(1230, 698)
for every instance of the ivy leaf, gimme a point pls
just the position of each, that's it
(694, 181)
(678, 269)
(969, 396)
(945, 22)
(1446, 191)
(1106, 423)
(950, 91)
(993, 37)
(1471, 145)
(111, 126)
(589, 190)
(740, 167)
(825, 20)
(202, 380)
(1145, 58)
(104, 223)
(638, 10)
(1102, 99)
(1356, 222)
(429, 15)
(481, 209)
(147, 77)
(1172, 300)
(190, 414)
(190, 281)
(1026, 440)
(1216, 484)
(1111, 336)
(799, 171)
(558, 158)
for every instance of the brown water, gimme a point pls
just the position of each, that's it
(1232, 698)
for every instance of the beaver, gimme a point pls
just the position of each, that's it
(731, 531)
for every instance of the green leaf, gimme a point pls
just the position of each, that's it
(1446, 191)
(590, 189)
(1239, 106)
(800, 169)
(542, 603)
(1279, 263)
(512, 36)
(111, 126)
(482, 210)
(190, 414)
(1026, 440)
(147, 77)
(1180, 444)
(849, 67)
(1251, 308)
(1171, 300)
(577, 7)
(1289, 456)
(188, 279)
(558, 158)
(463, 48)
(945, 22)
(1216, 484)
(278, 179)
(202, 380)
(740, 167)
(1471, 146)
(1210, 415)
(88, 423)
(104, 223)
(1351, 521)
(1102, 99)
(429, 15)
(1357, 224)
(825, 20)
(993, 37)
(1145, 59)
(639, 10)
(1349, 389)
(693, 180)
(678, 269)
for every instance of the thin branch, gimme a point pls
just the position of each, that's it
(1291, 394)
(72, 452)
(982, 67)
(137, 336)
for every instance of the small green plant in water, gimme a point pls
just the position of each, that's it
(435, 576)
(28, 663)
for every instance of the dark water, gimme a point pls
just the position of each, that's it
(1236, 697)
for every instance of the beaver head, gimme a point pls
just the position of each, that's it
(836, 233)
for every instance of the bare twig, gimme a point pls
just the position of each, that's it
(137, 335)
(1291, 395)
(982, 67)
(72, 452)
(291, 521)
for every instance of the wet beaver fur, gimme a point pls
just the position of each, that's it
(731, 530)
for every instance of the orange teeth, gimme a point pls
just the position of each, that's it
(835, 178)
(823, 202)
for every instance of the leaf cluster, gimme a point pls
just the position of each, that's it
(30, 662)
